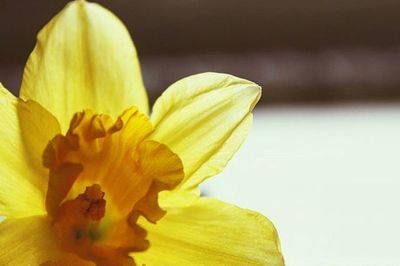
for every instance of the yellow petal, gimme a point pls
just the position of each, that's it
(204, 119)
(27, 241)
(25, 131)
(211, 232)
(84, 59)
(157, 163)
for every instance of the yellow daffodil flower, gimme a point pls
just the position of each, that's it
(87, 178)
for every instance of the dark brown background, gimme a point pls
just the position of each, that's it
(299, 51)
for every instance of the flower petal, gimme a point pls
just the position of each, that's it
(26, 129)
(27, 241)
(84, 59)
(211, 232)
(204, 119)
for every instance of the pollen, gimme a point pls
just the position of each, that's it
(95, 198)
(77, 220)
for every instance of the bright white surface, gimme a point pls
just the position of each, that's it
(329, 179)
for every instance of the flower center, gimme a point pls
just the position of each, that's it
(104, 175)
(94, 198)
(76, 222)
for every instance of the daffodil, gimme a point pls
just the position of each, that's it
(88, 178)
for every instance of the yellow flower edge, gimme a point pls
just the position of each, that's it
(88, 178)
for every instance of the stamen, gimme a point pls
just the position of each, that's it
(80, 221)
(77, 221)
(95, 199)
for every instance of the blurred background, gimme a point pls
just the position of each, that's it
(299, 51)
(323, 159)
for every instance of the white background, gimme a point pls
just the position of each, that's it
(329, 179)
